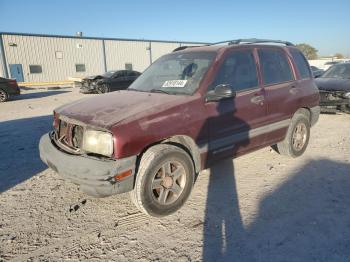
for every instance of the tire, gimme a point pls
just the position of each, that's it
(3, 96)
(154, 192)
(103, 89)
(297, 138)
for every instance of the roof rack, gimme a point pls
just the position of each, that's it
(183, 47)
(253, 41)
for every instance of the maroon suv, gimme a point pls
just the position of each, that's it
(189, 109)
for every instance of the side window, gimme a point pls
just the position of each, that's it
(275, 66)
(119, 74)
(131, 73)
(301, 64)
(239, 71)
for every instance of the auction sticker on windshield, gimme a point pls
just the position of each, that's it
(174, 83)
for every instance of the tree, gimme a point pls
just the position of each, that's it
(339, 56)
(309, 51)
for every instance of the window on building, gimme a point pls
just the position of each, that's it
(275, 66)
(239, 71)
(301, 64)
(128, 66)
(58, 54)
(35, 69)
(79, 68)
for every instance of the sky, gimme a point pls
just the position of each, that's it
(323, 24)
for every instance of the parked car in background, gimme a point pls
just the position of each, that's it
(334, 86)
(188, 110)
(317, 72)
(329, 64)
(8, 87)
(109, 81)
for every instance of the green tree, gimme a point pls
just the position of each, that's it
(309, 51)
(339, 56)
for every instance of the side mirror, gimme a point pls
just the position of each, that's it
(220, 92)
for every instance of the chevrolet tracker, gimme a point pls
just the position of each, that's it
(188, 110)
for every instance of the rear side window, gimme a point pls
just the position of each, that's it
(275, 66)
(301, 64)
(239, 71)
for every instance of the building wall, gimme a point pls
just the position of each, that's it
(34, 50)
(2, 73)
(159, 49)
(320, 63)
(43, 50)
(118, 53)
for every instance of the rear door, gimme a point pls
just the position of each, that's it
(234, 122)
(280, 87)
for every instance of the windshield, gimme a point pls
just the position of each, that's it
(176, 73)
(108, 74)
(338, 71)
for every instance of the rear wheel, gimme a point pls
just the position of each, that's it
(3, 96)
(297, 138)
(164, 180)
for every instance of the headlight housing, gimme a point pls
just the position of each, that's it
(98, 142)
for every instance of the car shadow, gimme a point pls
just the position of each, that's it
(19, 155)
(37, 95)
(219, 233)
(307, 218)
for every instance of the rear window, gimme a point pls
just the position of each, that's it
(301, 64)
(275, 66)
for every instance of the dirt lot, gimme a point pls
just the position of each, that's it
(259, 207)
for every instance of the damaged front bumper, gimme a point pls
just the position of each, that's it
(333, 98)
(96, 177)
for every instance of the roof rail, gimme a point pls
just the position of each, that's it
(183, 47)
(253, 41)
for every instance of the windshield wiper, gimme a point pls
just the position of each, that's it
(159, 91)
(133, 89)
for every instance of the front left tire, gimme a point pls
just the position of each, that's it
(101, 89)
(164, 180)
(3, 96)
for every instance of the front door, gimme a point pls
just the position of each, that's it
(118, 81)
(16, 72)
(235, 124)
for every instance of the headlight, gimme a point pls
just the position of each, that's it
(346, 95)
(98, 142)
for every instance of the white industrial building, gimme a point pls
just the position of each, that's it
(45, 58)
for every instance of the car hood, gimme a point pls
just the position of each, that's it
(333, 84)
(93, 77)
(107, 110)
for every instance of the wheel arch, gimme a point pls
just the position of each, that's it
(184, 142)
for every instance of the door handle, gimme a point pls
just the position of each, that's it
(257, 100)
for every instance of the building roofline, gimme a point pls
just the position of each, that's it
(101, 38)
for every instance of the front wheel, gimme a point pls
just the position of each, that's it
(103, 89)
(297, 138)
(3, 96)
(164, 180)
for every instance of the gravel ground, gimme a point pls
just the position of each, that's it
(259, 207)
